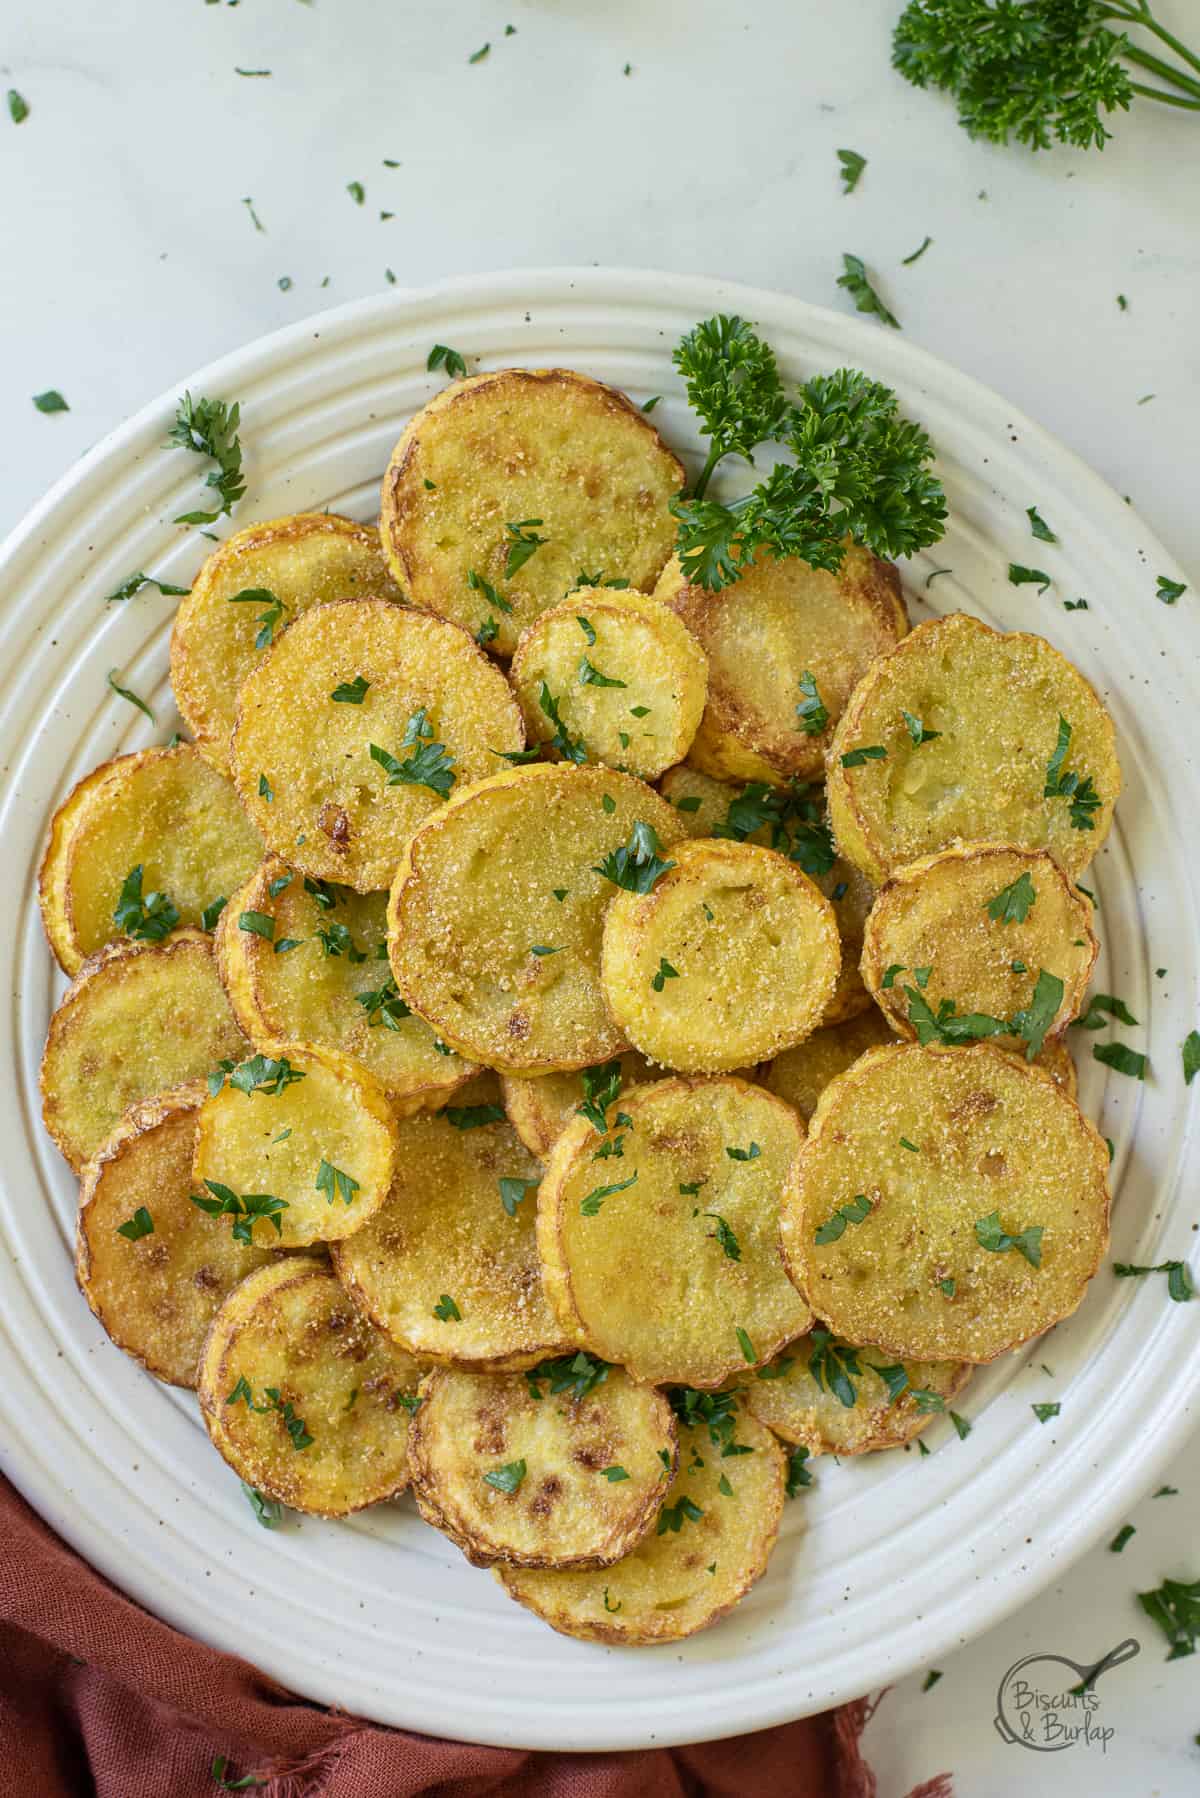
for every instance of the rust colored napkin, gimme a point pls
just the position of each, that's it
(99, 1697)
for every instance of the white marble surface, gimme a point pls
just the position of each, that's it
(131, 259)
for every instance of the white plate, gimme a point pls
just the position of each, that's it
(884, 1564)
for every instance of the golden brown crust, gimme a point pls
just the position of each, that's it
(476, 895)
(800, 1075)
(646, 1274)
(781, 621)
(655, 675)
(592, 1468)
(138, 1019)
(312, 993)
(995, 699)
(519, 444)
(934, 915)
(732, 957)
(165, 810)
(303, 762)
(937, 1163)
(290, 1329)
(692, 1569)
(299, 560)
(156, 1295)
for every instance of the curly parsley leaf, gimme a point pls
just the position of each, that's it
(210, 428)
(1036, 1018)
(577, 1374)
(244, 1208)
(430, 764)
(1175, 1607)
(1011, 904)
(148, 919)
(637, 866)
(1078, 789)
(523, 541)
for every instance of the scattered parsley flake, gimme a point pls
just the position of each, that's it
(1029, 577)
(851, 170)
(442, 356)
(507, 1478)
(210, 428)
(1169, 591)
(139, 1225)
(812, 712)
(446, 1310)
(127, 694)
(855, 1211)
(1028, 1242)
(50, 401)
(855, 280)
(1038, 526)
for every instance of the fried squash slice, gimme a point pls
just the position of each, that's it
(305, 961)
(966, 734)
(448, 1266)
(297, 1146)
(495, 917)
(799, 1076)
(836, 1399)
(356, 726)
(620, 672)
(251, 589)
(786, 645)
(304, 1398)
(552, 1468)
(509, 489)
(731, 958)
(540, 1106)
(661, 1253)
(142, 843)
(950, 1203)
(718, 1524)
(138, 1019)
(153, 1267)
(978, 925)
(792, 822)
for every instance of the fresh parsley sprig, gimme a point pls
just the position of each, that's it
(859, 469)
(636, 866)
(210, 428)
(1042, 70)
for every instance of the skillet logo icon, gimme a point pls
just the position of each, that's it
(1047, 1703)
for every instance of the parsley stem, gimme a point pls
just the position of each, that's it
(1165, 70)
(1141, 15)
(706, 473)
(1156, 93)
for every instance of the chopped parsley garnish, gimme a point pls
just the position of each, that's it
(1028, 1242)
(672, 1517)
(1035, 1020)
(724, 1235)
(507, 1478)
(523, 542)
(383, 1005)
(852, 167)
(917, 730)
(212, 912)
(931, 1679)
(513, 1190)
(292, 1424)
(1011, 904)
(1079, 789)
(430, 764)
(614, 1474)
(905, 1144)
(834, 1367)
(601, 1089)
(260, 1074)
(257, 923)
(561, 740)
(334, 1182)
(1122, 1059)
(798, 1473)
(589, 1206)
(855, 1211)
(916, 256)
(544, 949)
(50, 401)
(1045, 1412)
(440, 356)
(1175, 1607)
(269, 1513)
(889, 975)
(586, 627)
(351, 692)
(1029, 577)
(335, 939)
(479, 54)
(137, 581)
(1122, 1536)
(139, 1225)
(855, 280)
(269, 618)
(265, 790)
(961, 1425)
(750, 1154)
(1179, 1278)
(812, 712)
(665, 972)
(148, 919)
(473, 1117)
(858, 758)
(1169, 591)
(746, 1346)
(1191, 1056)
(637, 866)
(18, 107)
(577, 1374)
(446, 1311)
(1100, 1007)
(1038, 526)
(210, 428)
(477, 584)
(357, 192)
(859, 468)
(946, 1025)
(715, 1411)
(592, 677)
(244, 1208)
